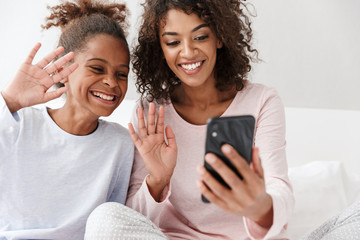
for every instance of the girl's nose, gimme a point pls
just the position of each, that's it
(110, 81)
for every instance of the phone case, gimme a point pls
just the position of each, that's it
(238, 131)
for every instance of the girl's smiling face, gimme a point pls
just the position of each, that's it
(99, 84)
(189, 47)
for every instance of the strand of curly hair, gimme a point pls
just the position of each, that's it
(63, 14)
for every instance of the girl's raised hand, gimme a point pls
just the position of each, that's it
(159, 157)
(31, 83)
(247, 197)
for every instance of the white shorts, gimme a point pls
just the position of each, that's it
(115, 221)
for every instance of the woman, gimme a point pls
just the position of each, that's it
(192, 62)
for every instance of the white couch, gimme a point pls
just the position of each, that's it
(323, 151)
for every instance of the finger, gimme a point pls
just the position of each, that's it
(62, 76)
(46, 60)
(134, 137)
(54, 94)
(58, 64)
(32, 54)
(151, 119)
(213, 184)
(238, 161)
(224, 171)
(210, 195)
(160, 120)
(256, 163)
(170, 137)
(141, 123)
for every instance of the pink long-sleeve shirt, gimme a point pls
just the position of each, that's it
(181, 214)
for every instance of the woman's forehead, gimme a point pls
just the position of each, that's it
(178, 19)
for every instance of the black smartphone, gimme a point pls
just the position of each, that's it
(238, 131)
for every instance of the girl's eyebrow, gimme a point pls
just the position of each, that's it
(104, 61)
(194, 30)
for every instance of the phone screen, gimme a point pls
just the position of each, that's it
(238, 131)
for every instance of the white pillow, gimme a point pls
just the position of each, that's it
(322, 189)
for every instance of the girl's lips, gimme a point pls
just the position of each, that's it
(103, 97)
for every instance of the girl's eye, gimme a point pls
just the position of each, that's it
(173, 43)
(121, 75)
(202, 37)
(97, 69)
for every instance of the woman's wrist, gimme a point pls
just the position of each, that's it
(266, 217)
(156, 187)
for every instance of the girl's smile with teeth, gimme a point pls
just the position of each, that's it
(103, 96)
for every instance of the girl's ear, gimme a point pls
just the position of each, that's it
(219, 44)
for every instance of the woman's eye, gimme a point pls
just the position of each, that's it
(202, 37)
(173, 43)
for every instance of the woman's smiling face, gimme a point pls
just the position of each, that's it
(100, 82)
(189, 47)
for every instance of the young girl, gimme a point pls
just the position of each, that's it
(193, 58)
(57, 165)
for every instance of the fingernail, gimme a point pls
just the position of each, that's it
(210, 158)
(226, 148)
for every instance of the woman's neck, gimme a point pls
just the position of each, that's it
(197, 105)
(202, 97)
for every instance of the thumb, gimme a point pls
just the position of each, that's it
(256, 163)
(170, 137)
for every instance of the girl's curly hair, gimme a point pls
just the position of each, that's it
(226, 19)
(81, 20)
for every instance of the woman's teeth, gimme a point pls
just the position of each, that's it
(103, 96)
(191, 66)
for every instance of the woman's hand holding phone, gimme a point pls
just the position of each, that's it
(247, 197)
(159, 157)
(232, 176)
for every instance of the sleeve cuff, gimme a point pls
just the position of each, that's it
(254, 230)
(5, 113)
(278, 228)
(163, 197)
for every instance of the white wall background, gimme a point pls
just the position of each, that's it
(310, 48)
(311, 51)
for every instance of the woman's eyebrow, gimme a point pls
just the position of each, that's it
(194, 30)
(200, 26)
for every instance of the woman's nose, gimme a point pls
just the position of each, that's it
(188, 50)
